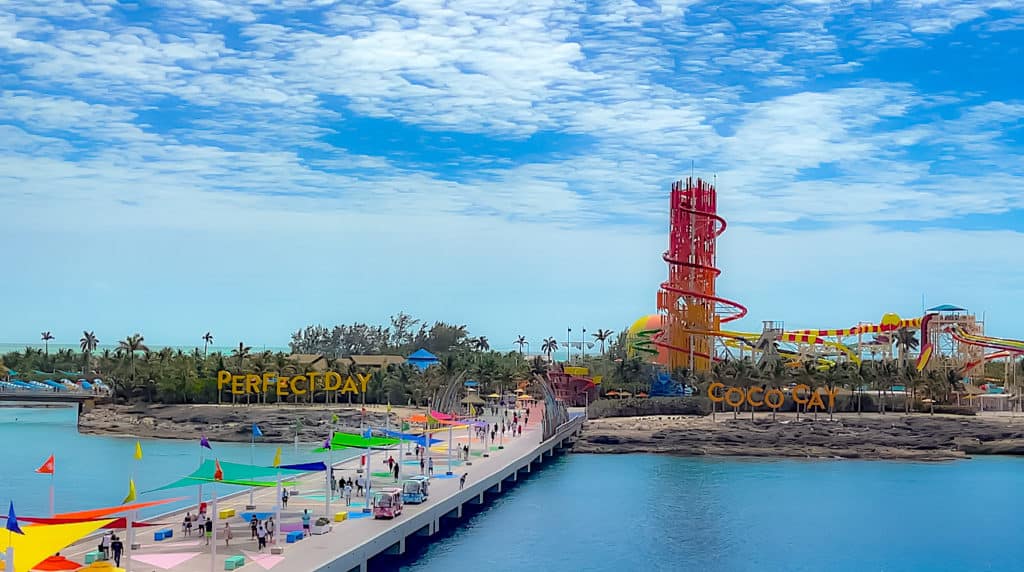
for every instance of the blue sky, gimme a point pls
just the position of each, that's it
(251, 167)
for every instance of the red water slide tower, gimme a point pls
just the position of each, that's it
(691, 311)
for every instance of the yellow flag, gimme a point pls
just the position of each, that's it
(277, 457)
(334, 418)
(472, 411)
(389, 406)
(138, 451)
(131, 492)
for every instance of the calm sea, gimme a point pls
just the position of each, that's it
(6, 347)
(642, 512)
(627, 512)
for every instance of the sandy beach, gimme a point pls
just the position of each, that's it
(869, 436)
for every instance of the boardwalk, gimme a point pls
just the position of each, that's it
(360, 537)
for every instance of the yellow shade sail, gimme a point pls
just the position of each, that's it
(41, 541)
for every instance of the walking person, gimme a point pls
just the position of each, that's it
(187, 524)
(395, 471)
(520, 430)
(430, 466)
(348, 494)
(116, 546)
(227, 534)
(422, 464)
(253, 525)
(105, 541)
(284, 499)
(261, 537)
(271, 529)
(462, 481)
(209, 530)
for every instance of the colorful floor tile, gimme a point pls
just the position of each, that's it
(165, 560)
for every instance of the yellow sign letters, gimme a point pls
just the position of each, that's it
(294, 385)
(772, 398)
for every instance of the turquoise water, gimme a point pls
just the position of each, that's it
(643, 512)
(93, 471)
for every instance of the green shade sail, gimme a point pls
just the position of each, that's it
(234, 474)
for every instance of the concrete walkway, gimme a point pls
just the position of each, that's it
(192, 554)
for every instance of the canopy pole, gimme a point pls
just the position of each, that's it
(213, 537)
(277, 511)
(131, 542)
(449, 450)
(252, 461)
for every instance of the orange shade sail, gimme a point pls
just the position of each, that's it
(102, 512)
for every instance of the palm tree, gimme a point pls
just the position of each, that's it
(906, 341)
(481, 344)
(207, 342)
(47, 336)
(241, 352)
(88, 345)
(130, 345)
(521, 341)
(601, 336)
(549, 346)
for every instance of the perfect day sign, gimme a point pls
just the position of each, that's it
(283, 385)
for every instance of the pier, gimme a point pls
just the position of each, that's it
(357, 541)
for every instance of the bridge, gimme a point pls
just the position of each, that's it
(85, 400)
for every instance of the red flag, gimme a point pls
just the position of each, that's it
(47, 468)
(218, 473)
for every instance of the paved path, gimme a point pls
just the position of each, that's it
(192, 554)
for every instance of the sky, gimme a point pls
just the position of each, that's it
(248, 168)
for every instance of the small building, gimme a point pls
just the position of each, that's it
(371, 361)
(572, 385)
(310, 362)
(422, 359)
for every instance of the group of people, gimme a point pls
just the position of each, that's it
(202, 524)
(262, 531)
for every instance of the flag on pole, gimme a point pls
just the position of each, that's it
(256, 431)
(405, 426)
(277, 457)
(368, 433)
(204, 442)
(12, 521)
(47, 468)
(138, 451)
(389, 406)
(334, 418)
(472, 410)
(131, 492)
(218, 473)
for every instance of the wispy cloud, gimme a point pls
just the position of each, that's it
(221, 116)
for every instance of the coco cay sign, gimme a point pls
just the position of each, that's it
(294, 385)
(773, 398)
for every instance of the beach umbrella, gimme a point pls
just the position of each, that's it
(494, 396)
(57, 563)
(612, 393)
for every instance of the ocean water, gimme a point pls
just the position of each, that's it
(614, 512)
(6, 347)
(93, 471)
(645, 512)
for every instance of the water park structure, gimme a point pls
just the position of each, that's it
(687, 331)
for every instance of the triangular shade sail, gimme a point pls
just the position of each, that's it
(116, 524)
(102, 512)
(307, 467)
(441, 416)
(422, 440)
(233, 474)
(41, 541)
(360, 442)
(422, 354)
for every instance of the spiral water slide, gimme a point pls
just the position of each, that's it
(692, 311)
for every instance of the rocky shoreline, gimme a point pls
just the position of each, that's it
(916, 437)
(227, 423)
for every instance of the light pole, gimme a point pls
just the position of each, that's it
(583, 344)
(568, 345)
